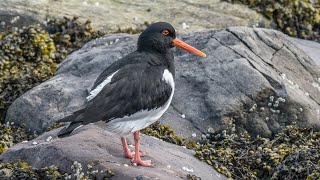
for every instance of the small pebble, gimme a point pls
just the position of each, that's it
(269, 104)
(126, 165)
(49, 139)
(185, 26)
(168, 166)
(262, 109)
(203, 136)
(187, 169)
(34, 143)
(183, 116)
(301, 109)
(97, 3)
(194, 135)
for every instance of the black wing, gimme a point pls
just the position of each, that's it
(133, 88)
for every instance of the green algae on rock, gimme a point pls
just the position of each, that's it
(292, 153)
(10, 135)
(55, 126)
(21, 170)
(30, 55)
(298, 18)
(166, 133)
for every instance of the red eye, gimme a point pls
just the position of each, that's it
(165, 32)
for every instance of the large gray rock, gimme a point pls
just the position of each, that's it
(91, 144)
(110, 15)
(255, 77)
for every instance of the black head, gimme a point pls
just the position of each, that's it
(161, 37)
(157, 37)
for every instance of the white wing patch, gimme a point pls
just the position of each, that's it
(96, 90)
(143, 118)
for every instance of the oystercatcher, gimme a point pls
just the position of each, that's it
(136, 90)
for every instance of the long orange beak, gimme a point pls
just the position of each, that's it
(177, 42)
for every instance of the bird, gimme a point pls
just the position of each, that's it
(134, 91)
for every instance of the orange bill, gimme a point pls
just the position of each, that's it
(179, 43)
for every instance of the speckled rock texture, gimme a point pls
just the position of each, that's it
(91, 144)
(110, 15)
(256, 77)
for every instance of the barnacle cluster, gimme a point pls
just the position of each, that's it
(10, 135)
(299, 18)
(166, 133)
(21, 170)
(29, 55)
(293, 153)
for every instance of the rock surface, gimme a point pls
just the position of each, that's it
(255, 77)
(196, 15)
(310, 47)
(91, 144)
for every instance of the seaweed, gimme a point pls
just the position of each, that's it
(298, 18)
(30, 55)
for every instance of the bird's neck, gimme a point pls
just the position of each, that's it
(160, 58)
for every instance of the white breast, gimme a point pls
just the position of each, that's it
(143, 118)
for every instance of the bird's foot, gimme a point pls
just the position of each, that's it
(146, 163)
(130, 155)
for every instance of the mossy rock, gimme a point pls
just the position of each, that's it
(30, 55)
(21, 170)
(10, 135)
(298, 18)
(294, 153)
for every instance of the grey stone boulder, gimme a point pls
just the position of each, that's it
(91, 144)
(256, 78)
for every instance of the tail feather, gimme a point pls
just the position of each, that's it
(66, 131)
(75, 120)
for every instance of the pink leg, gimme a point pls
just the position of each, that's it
(137, 158)
(126, 151)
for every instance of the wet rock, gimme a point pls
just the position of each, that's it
(243, 69)
(94, 145)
